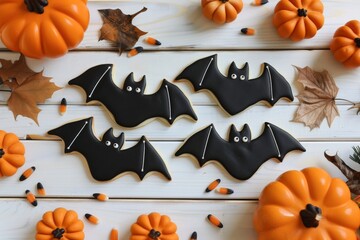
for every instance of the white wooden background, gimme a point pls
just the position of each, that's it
(186, 36)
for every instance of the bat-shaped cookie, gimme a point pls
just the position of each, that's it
(240, 156)
(105, 158)
(130, 106)
(236, 92)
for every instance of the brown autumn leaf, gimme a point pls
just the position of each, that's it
(317, 100)
(118, 28)
(18, 71)
(27, 88)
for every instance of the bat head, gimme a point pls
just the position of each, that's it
(243, 136)
(111, 141)
(236, 73)
(134, 87)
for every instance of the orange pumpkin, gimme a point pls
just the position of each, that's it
(153, 227)
(43, 28)
(221, 11)
(306, 204)
(298, 19)
(11, 154)
(60, 224)
(345, 44)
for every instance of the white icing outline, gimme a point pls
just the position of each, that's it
(206, 143)
(77, 135)
(207, 68)
(169, 101)
(270, 81)
(97, 83)
(143, 158)
(277, 147)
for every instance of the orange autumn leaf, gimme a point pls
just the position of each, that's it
(317, 99)
(27, 88)
(118, 28)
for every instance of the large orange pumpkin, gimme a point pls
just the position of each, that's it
(11, 154)
(43, 28)
(345, 44)
(153, 227)
(307, 204)
(221, 11)
(60, 224)
(298, 19)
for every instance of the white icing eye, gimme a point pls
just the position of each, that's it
(138, 90)
(129, 88)
(236, 139)
(107, 143)
(233, 76)
(242, 77)
(245, 139)
(115, 145)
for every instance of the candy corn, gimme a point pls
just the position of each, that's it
(215, 221)
(63, 106)
(152, 41)
(40, 189)
(248, 31)
(114, 234)
(101, 197)
(212, 185)
(225, 191)
(27, 173)
(91, 218)
(31, 198)
(135, 51)
(260, 2)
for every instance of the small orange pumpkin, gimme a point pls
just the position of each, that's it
(298, 19)
(221, 11)
(153, 227)
(306, 204)
(60, 224)
(11, 154)
(43, 28)
(345, 44)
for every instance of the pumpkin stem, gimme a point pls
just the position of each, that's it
(302, 12)
(357, 42)
(58, 233)
(36, 6)
(153, 234)
(224, 1)
(311, 216)
(1, 152)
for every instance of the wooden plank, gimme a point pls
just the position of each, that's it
(169, 65)
(18, 219)
(49, 118)
(181, 25)
(67, 175)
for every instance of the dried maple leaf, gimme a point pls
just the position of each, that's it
(27, 88)
(118, 28)
(317, 100)
(18, 71)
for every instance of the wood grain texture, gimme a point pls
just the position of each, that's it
(120, 214)
(67, 175)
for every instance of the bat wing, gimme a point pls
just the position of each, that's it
(74, 133)
(280, 141)
(174, 101)
(92, 80)
(201, 72)
(143, 158)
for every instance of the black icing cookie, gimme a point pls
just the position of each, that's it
(240, 156)
(130, 106)
(236, 92)
(105, 158)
